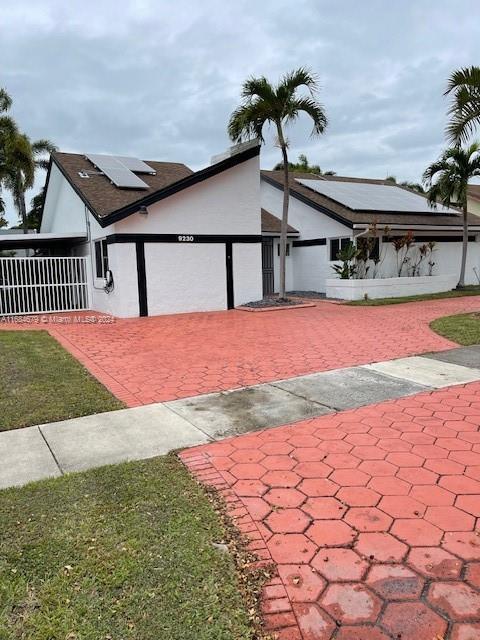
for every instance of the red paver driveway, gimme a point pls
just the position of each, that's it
(372, 517)
(161, 358)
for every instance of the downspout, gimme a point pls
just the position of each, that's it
(90, 244)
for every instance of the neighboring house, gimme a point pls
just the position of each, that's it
(173, 240)
(331, 211)
(473, 199)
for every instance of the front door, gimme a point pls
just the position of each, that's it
(267, 266)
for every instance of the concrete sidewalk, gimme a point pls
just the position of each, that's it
(53, 449)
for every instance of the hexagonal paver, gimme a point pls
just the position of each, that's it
(417, 475)
(470, 504)
(313, 623)
(472, 574)
(281, 478)
(257, 507)
(324, 508)
(380, 547)
(401, 507)
(460, 484)
(378, 468)
(288, 521)
(318, 487)
(340, 565)
(276, 448)
(284, 497)
(301, 583)
(456, 599)
(432, 495)
(250, 488)
(247, 455)
(313, 470)
(390, 486)
(341, 461)
(368, 519)
(413, 621)
(351, 603)
(350, 477)
(247, 471)
(360, 632)
(467, 631)
(331, 533)
(466, 545)
(434, 562)
(358, 496)
(288, 548)
(278, 463)
(450, 518)
(394, 582)
(416, 533)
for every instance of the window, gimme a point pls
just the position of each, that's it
(287, 251)
(101, 258)
(337, 245)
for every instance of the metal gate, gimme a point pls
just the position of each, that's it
(267, 266)
(42, 285)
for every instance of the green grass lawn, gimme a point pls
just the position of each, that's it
(41, 382)
(473, 290)
(463, 328)
(119, 553)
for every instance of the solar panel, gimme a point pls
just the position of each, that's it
(136, 165)
(373, 197)
(116, 170)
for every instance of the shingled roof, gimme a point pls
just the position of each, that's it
(272, 224)
(351, 217)
(108, 203)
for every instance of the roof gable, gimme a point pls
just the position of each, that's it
(109, 204)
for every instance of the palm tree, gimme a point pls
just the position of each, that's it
(23, 157)
(447, 183)
(464, 87)
(278, 105)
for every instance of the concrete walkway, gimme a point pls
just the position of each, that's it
(53, 449)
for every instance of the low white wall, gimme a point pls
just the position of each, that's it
(388, 287)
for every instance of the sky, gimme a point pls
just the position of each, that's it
(158, 79)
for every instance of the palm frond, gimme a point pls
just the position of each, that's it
(464, 111)
(5, 101)
(259, 87)
(313, 109)
(247, 121)
(464, 77)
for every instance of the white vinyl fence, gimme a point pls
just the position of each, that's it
(42, 285)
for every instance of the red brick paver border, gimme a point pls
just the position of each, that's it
(145, 360)
(367, 547)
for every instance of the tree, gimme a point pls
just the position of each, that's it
(414, 186)
(19, 158)
(447, 183)
(278, 105)
(34, 216)
(23, 158)
(464, 88)
(304, 166)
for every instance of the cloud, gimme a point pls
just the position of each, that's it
(159, 79)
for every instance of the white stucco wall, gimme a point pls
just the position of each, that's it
(228, 203)
(247, 264)
(64, 211)
(185, 277)
(307, 267)
(122, 302)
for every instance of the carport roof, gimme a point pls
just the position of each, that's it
(271, 224)
(109, 203)
(37, 240)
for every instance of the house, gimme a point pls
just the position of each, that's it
(158, 237)
(329, 212)
(473, 199)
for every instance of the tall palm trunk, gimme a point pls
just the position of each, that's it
(461, 281)
(22, 210)
(284, 225)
